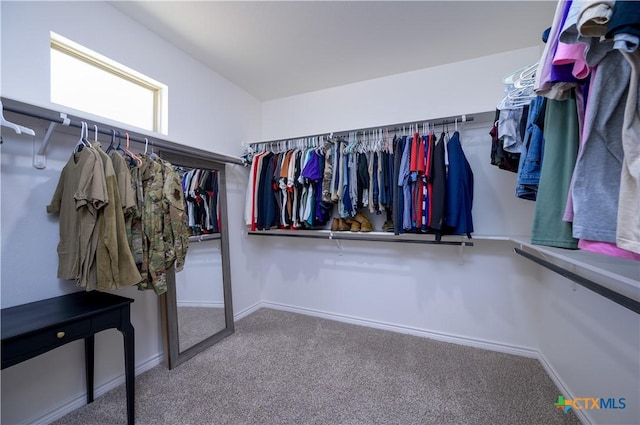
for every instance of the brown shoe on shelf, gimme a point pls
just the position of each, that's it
(335, 224)
(365, 224)
(355, 226)
(341, 225)
(360, 218)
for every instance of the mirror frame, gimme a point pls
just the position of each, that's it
(173, 357)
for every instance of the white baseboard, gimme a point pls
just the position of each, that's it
(209, 304)
(247, 311)
(564, 390)
(439, 336)
(81, 399)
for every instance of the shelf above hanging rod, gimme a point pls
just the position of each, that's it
(366, 237)
(391, 127)
(56, 118)
(614, 296)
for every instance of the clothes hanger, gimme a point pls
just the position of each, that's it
(153, 154)
(113, 140)
(19, 129)
(82, 142)
(119, 147)
(95, 133)
(527, 76)
(512, 77)
(133, 156)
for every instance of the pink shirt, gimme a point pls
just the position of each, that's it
(572, 54)
(607, 248)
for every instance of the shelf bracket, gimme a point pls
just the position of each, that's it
(40, 156)
(462, 245)
(337, 241)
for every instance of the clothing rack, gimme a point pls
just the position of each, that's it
(614, 296)
(391, 128)
(60, 118)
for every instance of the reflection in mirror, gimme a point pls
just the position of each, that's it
(199, 293)
(197, 310)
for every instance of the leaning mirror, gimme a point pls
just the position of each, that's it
(196, 309)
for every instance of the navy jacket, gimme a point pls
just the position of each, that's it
(459, 189)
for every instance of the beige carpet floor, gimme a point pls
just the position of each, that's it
(285, 368)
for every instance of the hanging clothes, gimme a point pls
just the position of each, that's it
(530, 163)
(560, 151)
(114, 266)
(438, 190)
(459, 198)
(161, 229)
(80, 193)
(405, 176)
(628, 220)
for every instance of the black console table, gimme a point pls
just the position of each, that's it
(32, 329)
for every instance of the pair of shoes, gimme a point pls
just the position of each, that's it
(354, 226)
(364, 223)
(351, 224)
(339, 225)
(388, 226)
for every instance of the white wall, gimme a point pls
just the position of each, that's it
(591, 344)
(205, 111)
(461, 88)
(414, 286)
(588, 344)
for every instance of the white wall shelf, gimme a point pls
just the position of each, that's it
(367, 236)
(103, 127)
(619, 269)
(617, 279)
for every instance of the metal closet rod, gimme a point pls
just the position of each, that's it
(614, 296)
(395, 128)
(161, 144)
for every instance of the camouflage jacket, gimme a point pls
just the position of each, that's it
(162, 225)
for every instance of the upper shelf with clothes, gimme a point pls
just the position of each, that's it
(59, 119)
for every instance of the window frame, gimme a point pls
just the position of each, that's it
(83, 54)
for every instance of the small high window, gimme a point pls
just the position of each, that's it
(87, 81)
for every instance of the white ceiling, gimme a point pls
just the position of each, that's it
(278, 49)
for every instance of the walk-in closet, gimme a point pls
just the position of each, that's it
(318, 212)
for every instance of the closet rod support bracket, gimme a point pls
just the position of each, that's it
(40, 157)
(462, 245)
(337, 241)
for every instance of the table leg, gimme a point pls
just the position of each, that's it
(89, 344)
(129, 366)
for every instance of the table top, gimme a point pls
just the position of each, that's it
(35, 316)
